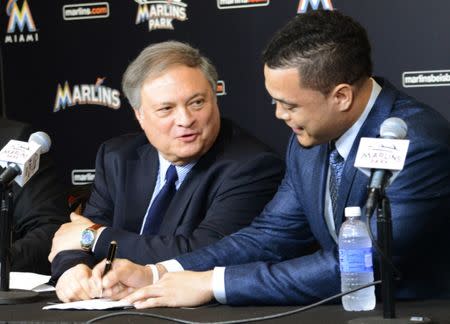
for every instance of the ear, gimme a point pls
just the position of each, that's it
(342, 95)
(138, 114)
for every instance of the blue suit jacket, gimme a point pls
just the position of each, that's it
(271, 261)
(223, 192)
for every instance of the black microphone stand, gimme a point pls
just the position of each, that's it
(384, 241)
(384, 238)
(9, 296)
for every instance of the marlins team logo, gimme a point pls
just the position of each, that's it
(220, 89)
(160, 13)
(315, 4)
(436, 78)
(81, 11)
(231, 4)
(21, 27)
(83, 176)
(86, 94)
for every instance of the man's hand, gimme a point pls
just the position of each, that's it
(67, 237)
(123, 278)
(175, 289)
(75, 284)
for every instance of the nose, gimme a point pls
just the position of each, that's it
(281, 113)
(184, 117)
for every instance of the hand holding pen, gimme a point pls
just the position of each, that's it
(110, 257)
(124, 277)
(109, 260)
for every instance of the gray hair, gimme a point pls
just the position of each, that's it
(157, 58)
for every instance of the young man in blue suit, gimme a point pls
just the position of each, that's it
(318, 70)
(189, 179)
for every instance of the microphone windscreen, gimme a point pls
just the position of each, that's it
(394, 128)
(41, 139)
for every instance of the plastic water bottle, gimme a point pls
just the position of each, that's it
(355, 258)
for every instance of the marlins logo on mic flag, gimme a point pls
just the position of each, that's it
(21, 159)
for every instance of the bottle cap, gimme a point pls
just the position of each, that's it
(352, 211)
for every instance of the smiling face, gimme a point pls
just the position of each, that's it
(314, 117)
(179, 114)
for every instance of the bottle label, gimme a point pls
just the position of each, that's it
(356, 260)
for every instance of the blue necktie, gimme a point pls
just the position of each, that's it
(161, 203)
(336, 167)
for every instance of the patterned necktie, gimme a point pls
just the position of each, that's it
(336, 167)
(161, 203)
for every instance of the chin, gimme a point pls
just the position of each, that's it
(307, 142)
(186, 157)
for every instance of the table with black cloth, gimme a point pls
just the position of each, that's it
(437, 310)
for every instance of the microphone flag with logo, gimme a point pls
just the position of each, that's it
(21, 159)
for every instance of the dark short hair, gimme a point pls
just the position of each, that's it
(327, 48)
(157, 58)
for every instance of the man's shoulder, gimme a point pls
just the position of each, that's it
(125, 145)
(235, 142)
(423, 121)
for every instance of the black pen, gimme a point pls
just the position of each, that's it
(110, 257)
(109, 260)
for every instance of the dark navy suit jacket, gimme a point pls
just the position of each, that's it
(224, 191)
(271, 262)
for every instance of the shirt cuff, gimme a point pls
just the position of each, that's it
(99, 232)
(219, 285)
(172, 265)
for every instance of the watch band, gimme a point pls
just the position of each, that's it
(95, 227)
(88, 237)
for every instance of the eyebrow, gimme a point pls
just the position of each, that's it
(284, 101)
(168, 103)
(196, 95)
(160, 104)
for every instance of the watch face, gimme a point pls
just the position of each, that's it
(87, 238)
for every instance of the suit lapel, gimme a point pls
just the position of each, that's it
(140, 183)
(318, 174)
(346, 185)
(193, 180)
(181, 200)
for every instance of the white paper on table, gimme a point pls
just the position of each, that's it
(98, 303)
(29, 281)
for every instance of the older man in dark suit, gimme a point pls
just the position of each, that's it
(40, 207)
(190, 180)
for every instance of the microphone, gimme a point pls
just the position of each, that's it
(21, 159)
(392, 128)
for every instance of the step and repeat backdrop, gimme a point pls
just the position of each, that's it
(62, 61)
